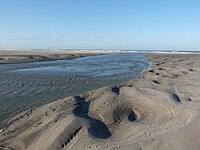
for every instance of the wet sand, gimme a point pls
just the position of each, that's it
(13, 56)
(160, 111)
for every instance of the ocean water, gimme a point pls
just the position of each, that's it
(27, 85)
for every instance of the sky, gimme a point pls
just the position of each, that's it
(100, 24)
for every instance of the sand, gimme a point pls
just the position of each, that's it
(159, 111)
(20, 56)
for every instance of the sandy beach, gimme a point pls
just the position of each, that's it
(158, 112)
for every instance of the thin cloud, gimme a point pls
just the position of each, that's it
(32, 39)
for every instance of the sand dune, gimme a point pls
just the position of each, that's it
(159, 111)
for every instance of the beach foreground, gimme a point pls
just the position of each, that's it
(160, 111)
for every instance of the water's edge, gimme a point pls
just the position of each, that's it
(53, 96)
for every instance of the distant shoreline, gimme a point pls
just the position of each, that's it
(23, 56)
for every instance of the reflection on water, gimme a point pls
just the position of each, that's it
(27, 85)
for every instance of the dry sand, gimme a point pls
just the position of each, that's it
(13, 56)
(158, 112)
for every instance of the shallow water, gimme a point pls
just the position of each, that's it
(27, 85)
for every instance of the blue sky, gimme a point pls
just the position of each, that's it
(100, 24)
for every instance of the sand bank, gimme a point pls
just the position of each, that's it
(160, 111)
(19, 56)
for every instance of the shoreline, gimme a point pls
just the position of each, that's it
(162, 108)
(63, 84)
(26, 56)
(23, 56)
